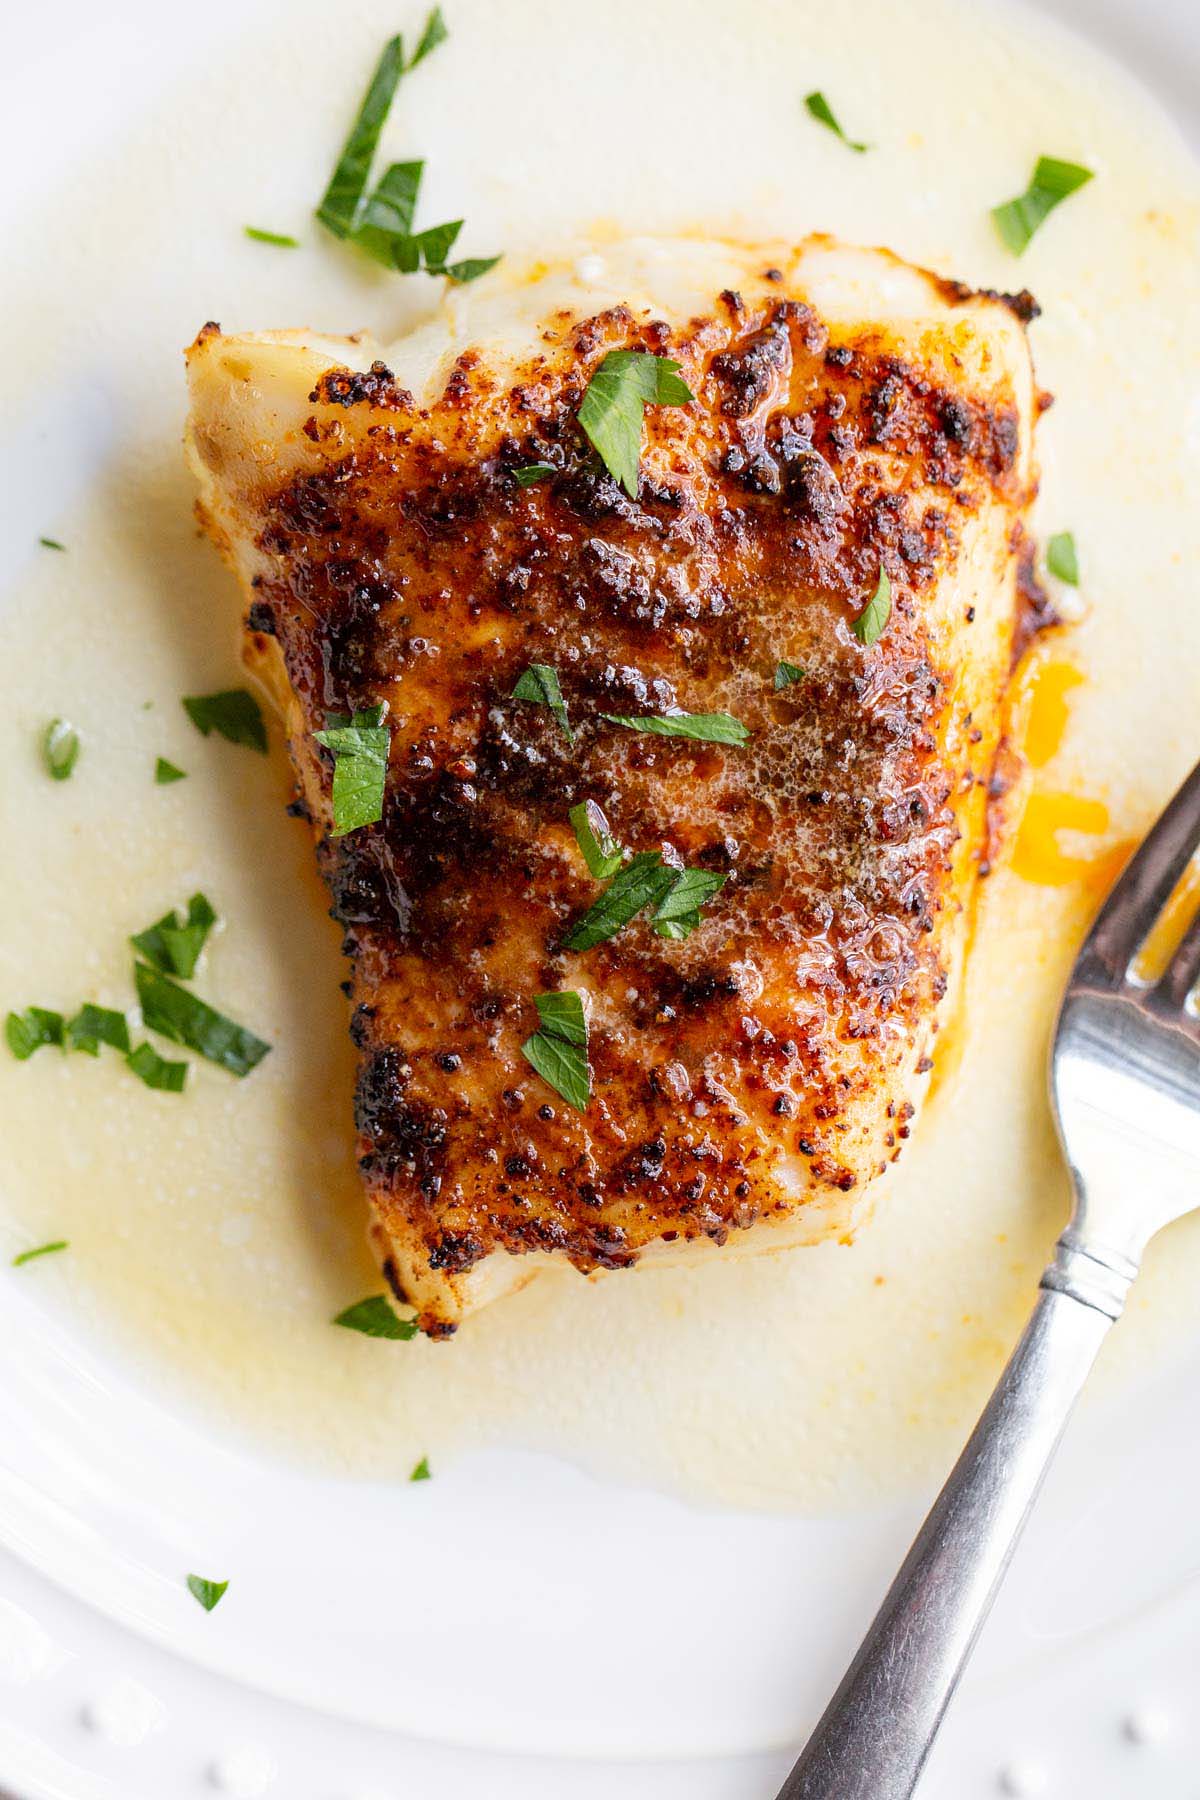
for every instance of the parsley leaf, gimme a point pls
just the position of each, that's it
(435, 33)
(644, 881)
(172, 944)
(558, 1048)
(60, 748)
(1062, 558)
(539, 683)
(339, 206)
(165, 773)
(611, 414)
(51, 544)
(156, 1071)
(1052, 182)
(470, 269)
(531, 472)
(676, 896)
(821, 110)
(206, 1592)
(388, 214)
(279, 238)
(30, 1030)
(96, 1025)
(709, 728)
(233, 713)
(175, 1013)
(678, 913)
(360, 748)
(868, 626)
(601, 852)
(28, 1256)
(786, 673)
(422, 1471)
(376, 1318)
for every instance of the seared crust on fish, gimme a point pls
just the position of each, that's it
(852, 415)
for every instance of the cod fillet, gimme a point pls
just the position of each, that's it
(852, 414)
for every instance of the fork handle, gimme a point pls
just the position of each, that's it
(879, 1727)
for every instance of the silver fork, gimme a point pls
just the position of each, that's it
(1125, 1083)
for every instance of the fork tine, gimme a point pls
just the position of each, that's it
(1144, 888)
(1183, 971)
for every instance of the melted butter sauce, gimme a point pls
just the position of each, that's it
(214, 1235)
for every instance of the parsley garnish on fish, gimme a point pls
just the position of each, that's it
(51, 544)
(869, 625)
(601, 852)
(206, 1592)
(165, 773)
(360, 748)
(176, 1014)
(786, 673)
(28, 1256)
(1062, 559)
(528, 473)
(626, 382)
(539, 684)
(233, 714)
(1051, 183)
(676, 896)
(820, 109)
(173, 944)
(381, 223)
(708, 728)
(376, 1318)
(558, 1048)
(422, 1471)
(60, 748)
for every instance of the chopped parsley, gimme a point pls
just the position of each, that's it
(678, 913)
(96, 1025)
(28, 1256)
(626, 382)
(360, 746)
(233, 713)
(32, 1029)
(339, 207)
(51, 544)
(534, 471)
(279, 238)
(376, 1318)
(601, 852)
(422, 1471)
(539, 684)
(820, 109)
(60, 748)
(165, 773)
(206, 1592)
(708, 728)
(1052, 182)
(435, 33)
(558, 1048)
(381, 223)
(179, 1015)
(156, 1071)
(1062, 559)
(172, 944)
(786, 673)
(869, 625)
(675, 895)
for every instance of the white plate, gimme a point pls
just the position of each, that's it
(515, 1605)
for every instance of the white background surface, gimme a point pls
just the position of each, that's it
(1085, 1683)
